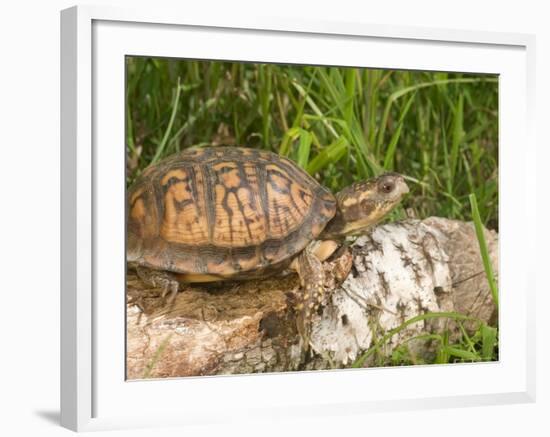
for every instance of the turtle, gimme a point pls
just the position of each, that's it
(219, 213)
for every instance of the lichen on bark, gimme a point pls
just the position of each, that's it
(400, 270)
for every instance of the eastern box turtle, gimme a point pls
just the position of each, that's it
(219, 213)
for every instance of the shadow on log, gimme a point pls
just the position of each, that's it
(400, 270)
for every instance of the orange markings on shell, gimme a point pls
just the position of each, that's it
(228, 174)
(142, 217)
(178, 173)
(301, 197)
(135, 195)
(254, 207)
(239, 220)
(239, 223)
(138, 210)
(221, 233)
(286, 209)
(184, 218)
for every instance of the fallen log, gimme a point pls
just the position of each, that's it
(399, 270)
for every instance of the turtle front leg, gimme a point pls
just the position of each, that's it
(312, 278)
(156, 278)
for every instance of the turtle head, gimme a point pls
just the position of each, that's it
(365, 203)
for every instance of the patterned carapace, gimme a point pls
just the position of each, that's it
(226, 212)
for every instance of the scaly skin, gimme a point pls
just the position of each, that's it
(157, 278)
(312, 279)
(217, 206)
(360, 206)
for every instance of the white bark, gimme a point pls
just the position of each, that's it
(400, 270)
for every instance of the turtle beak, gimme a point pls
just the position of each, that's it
(403, 187)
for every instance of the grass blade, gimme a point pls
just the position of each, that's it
(461, 353)
(388, 159)
(489, 336)
(401, 92)
(304, 148)
(164, 141)
(332, 153)
(458, 134)
(351, 74)
(483, 249)
(388, 335)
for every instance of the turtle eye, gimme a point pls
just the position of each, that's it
(386, 187)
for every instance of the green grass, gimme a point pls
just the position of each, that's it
(481, 345)
(438, 129)
(483, 249)
(341, 124)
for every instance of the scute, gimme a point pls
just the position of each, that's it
(286, 207)
(224, 211)
(184, 219)
(239, 221)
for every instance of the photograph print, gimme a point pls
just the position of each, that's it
(299, 217)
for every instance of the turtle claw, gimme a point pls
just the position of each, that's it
(172, 287)
(164, 280)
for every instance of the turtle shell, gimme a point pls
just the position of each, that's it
(223, 212)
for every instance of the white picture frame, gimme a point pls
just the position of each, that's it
(94, 394)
